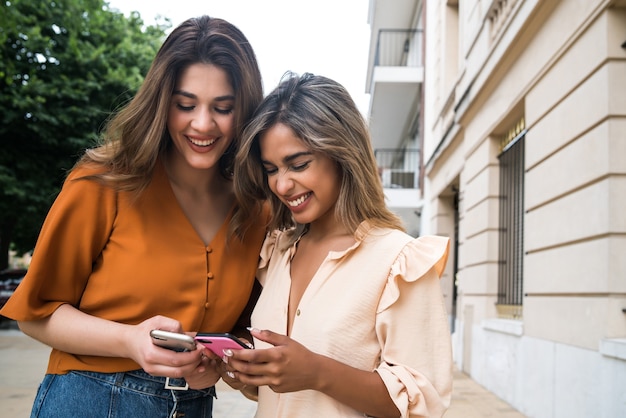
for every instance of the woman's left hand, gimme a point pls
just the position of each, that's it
(206, 374)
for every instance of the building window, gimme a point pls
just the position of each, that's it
(511, 239)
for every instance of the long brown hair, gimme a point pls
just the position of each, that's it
(136, 136)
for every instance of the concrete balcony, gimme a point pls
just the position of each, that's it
(400, 174)
(395, 86)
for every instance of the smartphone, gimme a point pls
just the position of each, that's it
(173, 340)
(217, 343)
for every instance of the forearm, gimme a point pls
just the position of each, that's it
(76, 332)
(291, 367)
(359, 389)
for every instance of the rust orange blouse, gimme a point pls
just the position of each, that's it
(128, 260)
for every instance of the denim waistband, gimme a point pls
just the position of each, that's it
(140, 381)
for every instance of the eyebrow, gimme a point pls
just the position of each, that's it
(193, 96)
(291, 157)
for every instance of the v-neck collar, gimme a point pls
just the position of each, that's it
(162, 183)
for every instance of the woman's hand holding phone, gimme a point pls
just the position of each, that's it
(156, 360)
(285, 366)
(205, 373)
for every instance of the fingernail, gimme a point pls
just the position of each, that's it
(225, 359)
(252, 329)
(228, 352)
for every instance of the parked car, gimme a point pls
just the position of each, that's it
(9, 279)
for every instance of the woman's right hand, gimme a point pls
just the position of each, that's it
(159, 361)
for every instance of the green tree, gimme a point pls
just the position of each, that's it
(65, 65)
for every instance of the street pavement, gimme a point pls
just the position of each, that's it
(23, 363)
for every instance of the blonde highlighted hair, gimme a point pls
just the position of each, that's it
(322, 114)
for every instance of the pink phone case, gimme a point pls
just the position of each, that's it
(217, 343)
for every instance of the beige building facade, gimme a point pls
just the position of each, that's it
(516, 110)
(524, 150)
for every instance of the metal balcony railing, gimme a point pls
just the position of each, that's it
(398, 168)
(399, 48)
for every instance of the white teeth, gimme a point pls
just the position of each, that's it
(298, 201)
(202, 143)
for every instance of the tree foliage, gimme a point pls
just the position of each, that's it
(65, 65)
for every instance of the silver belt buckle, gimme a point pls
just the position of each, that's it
(168, 386)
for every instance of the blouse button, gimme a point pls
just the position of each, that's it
(209, 275)
(298, 312)
(209, 249)
(206, 305)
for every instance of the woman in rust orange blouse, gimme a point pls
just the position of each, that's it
(142, 237)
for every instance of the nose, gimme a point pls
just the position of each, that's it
(284, 183)
(202, 121)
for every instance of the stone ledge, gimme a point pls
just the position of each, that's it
(614, 347)
(504, 326)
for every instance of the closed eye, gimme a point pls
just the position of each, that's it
(185, 108)
(224, 111)
(270, 170)
(301, 166)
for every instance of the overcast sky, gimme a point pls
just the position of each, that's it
(324, 37)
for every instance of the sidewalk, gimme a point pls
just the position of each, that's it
(23, 362)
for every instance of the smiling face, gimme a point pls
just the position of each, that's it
(307, 183)
(201, 116)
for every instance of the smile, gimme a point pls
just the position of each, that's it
(298, 201)
(202, 143)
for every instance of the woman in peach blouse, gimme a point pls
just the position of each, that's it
(141, 237)
(351, 320)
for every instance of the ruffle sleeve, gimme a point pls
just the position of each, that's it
(412, 327)
(416, 259)
(71, 239)
(267, 249)
(413, 393)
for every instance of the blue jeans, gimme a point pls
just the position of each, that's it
(132, 394)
